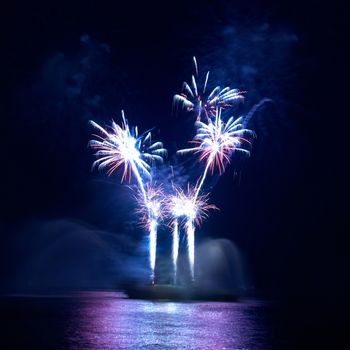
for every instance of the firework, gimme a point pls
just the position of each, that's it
(201, 103)
(151, 213)
(215, 142)
(187, 204)
(122, 146)
(193, 209)
(153, 206)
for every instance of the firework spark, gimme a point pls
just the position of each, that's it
(153, 206)
(187, 204)
(215, 142)
(201, 103)
(194, 209)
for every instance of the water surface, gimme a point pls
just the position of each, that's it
(108, 320)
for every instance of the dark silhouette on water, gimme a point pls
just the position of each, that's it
(174, 292)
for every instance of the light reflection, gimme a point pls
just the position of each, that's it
(110, 322)
(161, 307)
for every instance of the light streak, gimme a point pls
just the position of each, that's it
(151, 213)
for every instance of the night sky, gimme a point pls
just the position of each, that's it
(68, 62)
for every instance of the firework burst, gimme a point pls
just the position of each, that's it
(153, 207)
(123, 146)
(201, 103)
(215, 142)
(193, 208)
(187, 204)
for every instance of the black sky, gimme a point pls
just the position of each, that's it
(68, 62)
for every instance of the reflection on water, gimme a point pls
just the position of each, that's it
(106, 320)
(110, 322)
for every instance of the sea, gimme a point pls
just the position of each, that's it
(101, 320)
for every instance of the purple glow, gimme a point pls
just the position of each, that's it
(107, 322)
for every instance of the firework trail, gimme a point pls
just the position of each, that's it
(151, 213)
(175, 250)
(190, 244)
(153, 246)
(250, 114)
(192, 100)
(178, 206)
(215, 142)
(122, 146)
(193, 209)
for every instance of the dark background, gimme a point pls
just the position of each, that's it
(68, 62)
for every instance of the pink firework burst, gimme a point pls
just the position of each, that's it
(216, 140)
(122, 146)
(186, 203)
